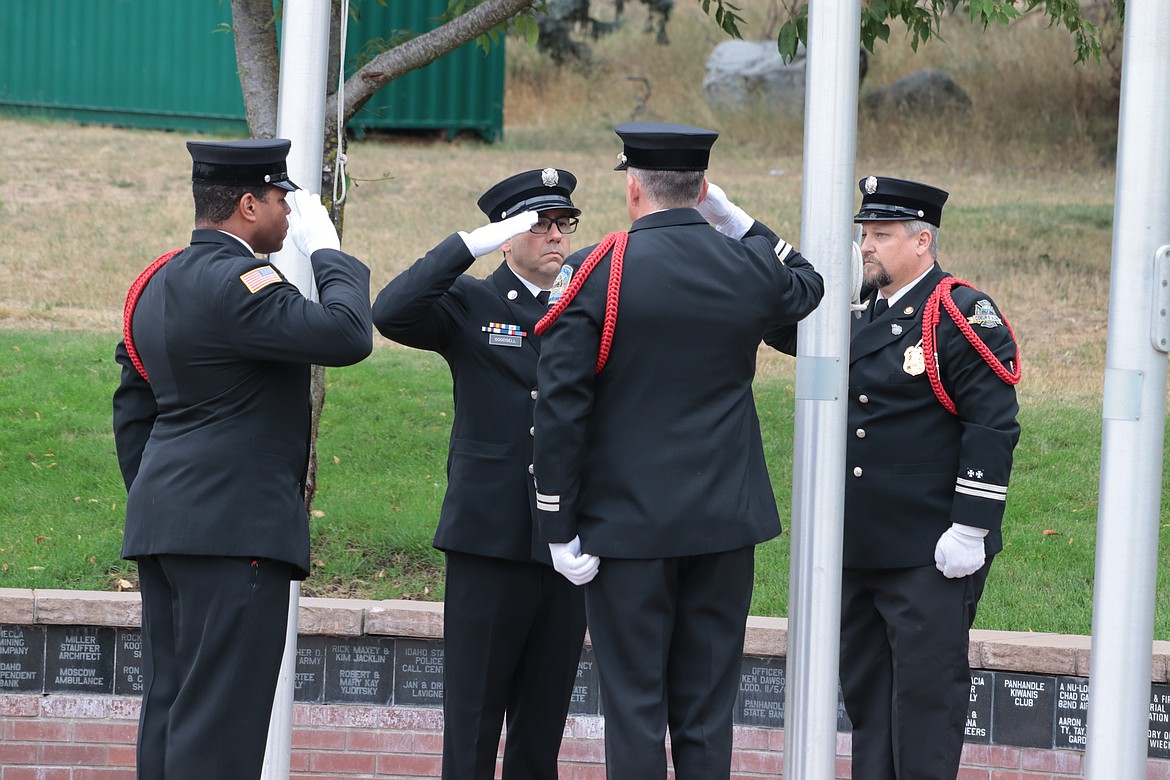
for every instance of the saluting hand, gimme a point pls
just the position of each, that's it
(491, 237)
(726, 217)
(567, 558)
(309, 225)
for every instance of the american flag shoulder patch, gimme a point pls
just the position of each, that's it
(259, 278)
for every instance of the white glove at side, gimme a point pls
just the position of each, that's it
(577, 567)
(309, 225)
(726, 217)
(491, 237)
(959, 551)
(857, 267)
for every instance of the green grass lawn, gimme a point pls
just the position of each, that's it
(382, 453)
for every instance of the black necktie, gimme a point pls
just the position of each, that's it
(542, 296)
(879, 307)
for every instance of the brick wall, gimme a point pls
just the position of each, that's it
(74, 736)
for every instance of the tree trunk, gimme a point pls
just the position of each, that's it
(258, 61)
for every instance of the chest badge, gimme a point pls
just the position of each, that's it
(896, 329)
(914, 363)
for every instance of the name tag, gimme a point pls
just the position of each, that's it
(501, 340)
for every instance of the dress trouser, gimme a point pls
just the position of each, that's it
(513, 633)
(668, 639)
(213, 633)
(904, 670)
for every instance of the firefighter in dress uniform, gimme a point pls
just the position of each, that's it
(211, 424)
(513, 627)
(931, 431)
(649, 465)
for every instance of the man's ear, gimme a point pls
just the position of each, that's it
(703, 191)
(248, 207)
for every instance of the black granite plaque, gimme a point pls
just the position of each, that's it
(760, 701)
(586, 699)
(309, 678)
(128, 663)
(359, 671)
(1072, 713)
(978, 729)
(844, 725)
(418, 673)
(22, 659)
(1160, 721)
(79, 659)
(1022, 710)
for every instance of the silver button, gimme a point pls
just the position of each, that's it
(856, 471)
(513, 295)
(531, 470)
(863, 398)
(533, 394)
(861, 433)
(532, 431)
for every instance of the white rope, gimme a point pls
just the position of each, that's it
(339, 163)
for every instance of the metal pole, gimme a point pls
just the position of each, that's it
(1134, 407)
(822, 366)
(300, 117)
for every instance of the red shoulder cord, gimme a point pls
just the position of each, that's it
(132, 302)
(930, 318)
(618, 242)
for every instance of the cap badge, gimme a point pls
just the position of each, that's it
(548, 177)
(870, 185)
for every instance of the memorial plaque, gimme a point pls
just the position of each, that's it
(1160, 721)
(309, 678)
(22, 659)
(760, 701)
(586, 698)
(1022, 710)
(79, 659)
(359, 671)
(978, 729)
(1072, 713)
(128, 663)
(418, 673)
(844, 725)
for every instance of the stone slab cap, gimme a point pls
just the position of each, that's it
(333, 617)
(1038, 653)
(766, 636)
(88, 608)
(421, 619)
(17, 606)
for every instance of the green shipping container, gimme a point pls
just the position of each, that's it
(172, 65)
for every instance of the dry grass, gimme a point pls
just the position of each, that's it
(1029, 171)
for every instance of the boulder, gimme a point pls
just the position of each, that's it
(925, 90)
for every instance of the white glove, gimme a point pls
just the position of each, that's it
(567, 558)
(491, 237)
(726, 217)
(857, 267)
(309, 225)
(959, 551)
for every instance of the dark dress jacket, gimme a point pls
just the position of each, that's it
(483, 329)
(660, 454)
(912, 467)
(214, 450)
